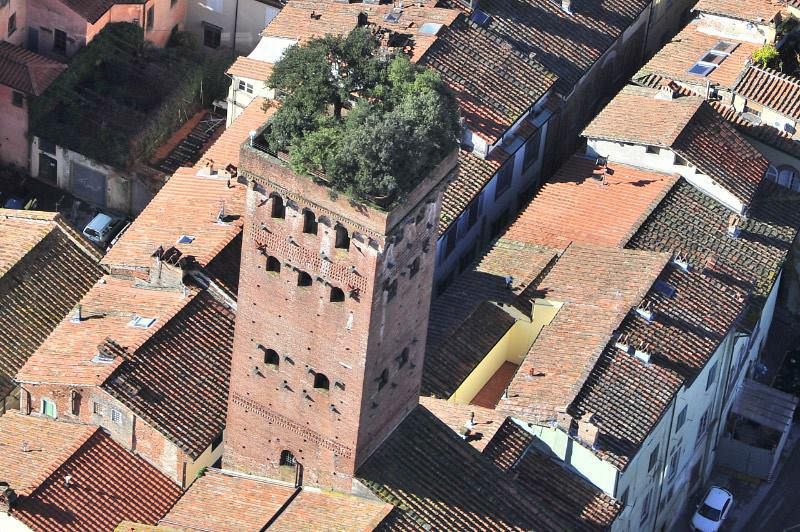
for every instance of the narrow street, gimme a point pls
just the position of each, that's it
(780, 510)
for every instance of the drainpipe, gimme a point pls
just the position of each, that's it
(235, 25)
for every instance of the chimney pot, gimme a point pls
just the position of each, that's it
(566, 6)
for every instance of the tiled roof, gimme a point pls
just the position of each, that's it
(26, 71)
(108, 485)
(437, 481)
(228, 502)
(188, 361)
(566, 44)
(92, 10)
(456, 416)
(514, 451)
(107, 310)
(678, 55)
(598, 287)
(772, 89)
(307, 19)
(691, 223)
(573, 206)
(761, 11)
(474, 173)
(45, 268)
(190, 204)
(486, 281)
(312, 511)
(246, 67)
(702, 137)
(628, 397)
(225, 266)
(495, 82)
(225, 502)
(454, 359)
(34, 447)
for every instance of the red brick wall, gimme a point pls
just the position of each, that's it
(351, 342)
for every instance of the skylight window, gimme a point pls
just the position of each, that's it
(480, 18)
(711, 59)
(392, 18)
(185, 239)
(141, 322)
(430, 28)
(664, 288)
(102, 358)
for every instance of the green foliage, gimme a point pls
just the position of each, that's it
(121, 97)
(368, 125)
(766, 56)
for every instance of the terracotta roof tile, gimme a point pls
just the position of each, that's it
(248, 503)
(772, 89)
(486, 281)
(436, 480)
(566, 44)
(189, 361)
(451, 363)
(573, 206)
(681, 53)
(702, 137)
(27, 71)
(495, 82)
(246, 67)
(92, 10)
(474, 173)
(34, 447)
(598, 287)
(45, 268)
(750, 10)
(456, 416)
(189, 204)
(514, 450)
(107, 310)
(109, 484)
(313, 511)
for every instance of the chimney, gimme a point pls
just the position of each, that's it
(566, 6)
(67, 481)
(645, 310)
(642, 353)
(587, 430)
(471, 423)
(733, 225)
(666, 92)
(76, 314)
(25, 446)
(564, 421)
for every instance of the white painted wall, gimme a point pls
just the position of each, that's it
(9, 523)
(253, 17)
(735, 29)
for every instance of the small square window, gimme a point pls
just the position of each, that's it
(60, 42)
(17, 99)
(680, 161)
(212, 36)
(12, 24)
(97, 408)
(185, 239)
(48, 408)
(700, 69)
(116, 416)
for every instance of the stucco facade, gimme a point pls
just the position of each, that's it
(13, 127)
(239, 23)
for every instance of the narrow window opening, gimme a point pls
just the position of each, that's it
(337, 295)
(287, 459)
(383, 380)
(271, 358)
(309, 223)
(273, 264)
(413, 269)
(321, 382)
(342, 238)
(391, 290)
(278, 208)
(402, 358)
(303, 279)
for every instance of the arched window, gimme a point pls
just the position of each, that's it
(321, 382)
(287, 458)
(303, 279)
(278, 208)
(383, 380)
(271, 358)
(337, 295)
(402, 358)
(273, 264)
(309, 222)
(342, 238)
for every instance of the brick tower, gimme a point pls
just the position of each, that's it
(332, 315)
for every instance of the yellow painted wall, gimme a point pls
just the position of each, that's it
(204, 460)
(512, 347)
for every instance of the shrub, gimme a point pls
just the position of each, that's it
(765, 56)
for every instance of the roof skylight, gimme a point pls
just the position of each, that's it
(141, 322)
(713, 58)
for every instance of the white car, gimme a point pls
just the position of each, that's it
(103, 228)
(713, 510)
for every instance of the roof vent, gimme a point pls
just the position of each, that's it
(679, 261)
(666, 91)
(642, 353)
(509, 281)
(67, 481)
(566, 6)
(623, 343)
(76, 314)
(645, 310)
